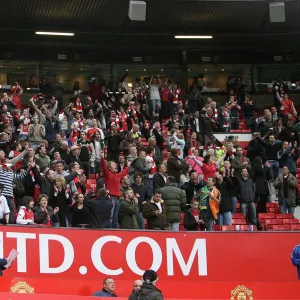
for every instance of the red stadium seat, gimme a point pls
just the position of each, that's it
(298, 170)
(272, 204)
(295, 226)
(181, 218)
(92, 176)
(228, 228)
(298, 176)
(284, 216)
(181, 227)
(217, 228)
(238, 216)
(246, 130)
(248, 228)
(270, 222)
(274, 210)
(239, 222)
(289, 221)
(281, 228)
(87, 191)
(264, 216)
(238, 207)
(88, 186)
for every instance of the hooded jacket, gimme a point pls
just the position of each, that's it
(295, 257)
(148, 291)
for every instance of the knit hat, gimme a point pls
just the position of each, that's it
(230, 137)
(150, 276)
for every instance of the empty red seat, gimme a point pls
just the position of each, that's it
(281, 227)
(274, 210)
(284, 216)
(248, 228)
(289, 221)
(263, 216)
(295, 226)
(238, 216)
(246, 130)
(228, 228)
(181, 227)
(217, 228)
(181, 218)
(92, 176)
(298, 170)
(270, 222)
(272, 204)
(238, 221)
(88, 186)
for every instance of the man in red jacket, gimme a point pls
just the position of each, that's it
(112, 181)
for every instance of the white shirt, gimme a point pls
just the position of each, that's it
(154, 92)
(159, 206)
(4, 209)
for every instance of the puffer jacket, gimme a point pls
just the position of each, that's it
(175, 201)
(291, 192)
(295, 257)
(128, 215)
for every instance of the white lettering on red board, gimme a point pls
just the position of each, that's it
(173, 253)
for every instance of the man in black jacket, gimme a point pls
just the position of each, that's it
(160, 178)
(192, 187)
(140, 192)
(192, 217)
(100, 210)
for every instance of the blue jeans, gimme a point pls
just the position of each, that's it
(141, 220)
(11, 206)
(210, 224)
(154, 103)
(286, 210)
(274, 166)
(175, 226)
(252, 211)
(114, 220)
(234, 203)
(225, 218)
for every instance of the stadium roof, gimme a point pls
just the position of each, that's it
(104, 24)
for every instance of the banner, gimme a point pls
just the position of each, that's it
(75, 261)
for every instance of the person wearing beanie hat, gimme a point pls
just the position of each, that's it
(148, 290)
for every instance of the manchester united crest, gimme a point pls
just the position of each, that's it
(22, 288)
(241, 293)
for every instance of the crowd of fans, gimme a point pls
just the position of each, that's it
(150, 151)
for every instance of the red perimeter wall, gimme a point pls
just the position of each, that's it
(204, 265)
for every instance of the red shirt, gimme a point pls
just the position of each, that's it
(287, 107)
(113, 180)
(209, 171)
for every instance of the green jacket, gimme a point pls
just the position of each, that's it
(128, 215)
(175, 201)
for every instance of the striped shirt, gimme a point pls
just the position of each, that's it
(7, 178)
